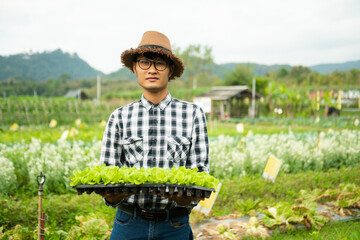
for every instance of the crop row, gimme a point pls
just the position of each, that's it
(234, 156)
(41, 111)
(21, 162)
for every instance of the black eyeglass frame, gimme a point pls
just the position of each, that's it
(151, 62)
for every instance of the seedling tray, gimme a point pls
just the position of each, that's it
(150, 188)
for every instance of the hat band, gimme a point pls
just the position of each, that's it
(154, 47)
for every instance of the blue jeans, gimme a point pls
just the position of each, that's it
(130, 227)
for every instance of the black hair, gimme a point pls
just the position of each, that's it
(152, 55)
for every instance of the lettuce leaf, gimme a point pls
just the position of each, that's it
(112, 175)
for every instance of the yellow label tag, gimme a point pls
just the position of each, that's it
(206, 205)
(272, 168)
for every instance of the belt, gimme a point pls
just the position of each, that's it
(157, 215)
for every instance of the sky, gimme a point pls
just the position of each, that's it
(295, 32)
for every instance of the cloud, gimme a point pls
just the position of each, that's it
(295, 32)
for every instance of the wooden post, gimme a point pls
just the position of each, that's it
(51, 106)
(41, 216)
(40, 231)
(26, 112)
(8, 103)
(1, 114)
(228, 108)
(36, 112)
(222, 110)
(19, 115)
(77, 108)
(8, 112)
(42, 225)
(45, 111)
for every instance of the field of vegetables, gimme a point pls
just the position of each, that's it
(321, 165)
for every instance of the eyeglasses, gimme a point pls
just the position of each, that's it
(145, 64)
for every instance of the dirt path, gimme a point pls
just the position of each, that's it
(235, 227)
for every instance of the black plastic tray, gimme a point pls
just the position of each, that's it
(152, 188)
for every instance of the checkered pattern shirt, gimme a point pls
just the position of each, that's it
(169, 134)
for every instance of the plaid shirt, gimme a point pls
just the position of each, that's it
(169, 134)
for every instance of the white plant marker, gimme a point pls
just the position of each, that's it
(240, 128)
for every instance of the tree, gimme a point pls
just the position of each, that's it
(300, 73)
(198, 60)
(242, 75)
(283, 72)
(261, 85)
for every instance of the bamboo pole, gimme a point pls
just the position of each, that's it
(41, 216)
(40, 224)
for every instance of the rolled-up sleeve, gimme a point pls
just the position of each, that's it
(199, 151)
(110, 148)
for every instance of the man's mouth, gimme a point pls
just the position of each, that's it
(152, 79)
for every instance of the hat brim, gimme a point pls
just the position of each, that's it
(127, 58)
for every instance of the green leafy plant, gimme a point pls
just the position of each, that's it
(281, 215)
(226, 232)
(112, 175)
(311, 219)
(90, 228)
(246, 206)
(317, 195)
(19, 232)
(56, 235)
(255, 229)
(348, 199)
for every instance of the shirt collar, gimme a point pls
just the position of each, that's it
(162, 104)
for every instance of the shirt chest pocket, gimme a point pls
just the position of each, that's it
(177, 149)
(133, 149)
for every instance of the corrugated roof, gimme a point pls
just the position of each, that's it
(227, 92)
(78, 93)
(73, 93)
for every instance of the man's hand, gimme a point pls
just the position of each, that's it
(181, 199)
(115, 198)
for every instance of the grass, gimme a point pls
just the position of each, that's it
(270, 125)
(285, 188)
(331, 231)
(61, 210)
(86, 133)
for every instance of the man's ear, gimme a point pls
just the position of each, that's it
(171, 71)
(134, 67)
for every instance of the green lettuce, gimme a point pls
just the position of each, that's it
(112, 175)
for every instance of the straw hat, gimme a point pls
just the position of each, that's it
(155, 42)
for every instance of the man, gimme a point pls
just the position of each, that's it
(155, 131)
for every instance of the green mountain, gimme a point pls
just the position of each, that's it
(217, 69)
(258, 69)
(42, 66)
(122, 73)
(328, 68)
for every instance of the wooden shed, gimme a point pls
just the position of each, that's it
(231, 101)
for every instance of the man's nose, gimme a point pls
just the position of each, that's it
(152, 68)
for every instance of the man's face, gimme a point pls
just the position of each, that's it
(154, 79)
